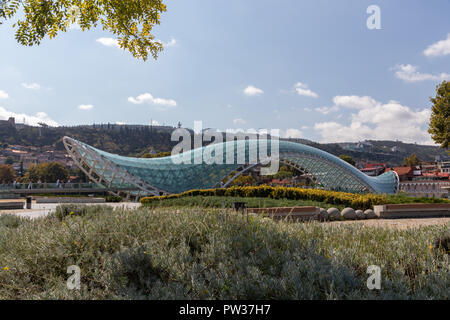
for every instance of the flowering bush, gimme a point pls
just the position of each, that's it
(291, 193)
(358, 201)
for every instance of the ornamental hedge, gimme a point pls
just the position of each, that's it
(357, 201)
(332, 197)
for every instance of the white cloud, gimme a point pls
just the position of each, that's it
(40, 117)
(350, 102)
(440, 48)
(31, 86)
(354, 102)
(377, 121)
(239, 121)
(327, 110)
(409, 73)
(171, 43)
(302, 90)
(307, 109)
(253, 91)
(109, 42)
(85, 107)
(147, 98)
(3, 95)
(293, 133)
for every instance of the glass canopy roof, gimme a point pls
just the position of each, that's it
(167, 175)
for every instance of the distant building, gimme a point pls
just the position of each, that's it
(362, 146)
(444, 167)
(404, 173)
(10, 122)
(397, 149)
(374, 169)
(426, 188)
(425, 180)
(429, 167)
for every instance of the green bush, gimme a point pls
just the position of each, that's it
(64, 210)
(358, 201)
(227, 202)
(10, 221)
(113, 199)
(442, 243)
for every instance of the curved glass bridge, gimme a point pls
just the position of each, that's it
(194, 169)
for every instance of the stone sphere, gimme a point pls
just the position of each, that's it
(333, 214)
(348, 214)
(359, 214)
(370, 214)
(323, 214)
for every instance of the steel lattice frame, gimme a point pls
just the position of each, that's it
(86, 159)
(166, 175)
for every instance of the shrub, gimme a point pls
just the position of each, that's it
(357, 201)
(443, 242)
(10, 221)
(65, 210)
(113, 199)
(214, 254)
(227, 202)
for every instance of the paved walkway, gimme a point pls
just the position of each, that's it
(400, 224)
(43, 209)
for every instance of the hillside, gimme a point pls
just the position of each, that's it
(126, 140)
(389, 152)
(135, 140)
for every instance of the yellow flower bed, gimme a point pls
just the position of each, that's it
(332, 197)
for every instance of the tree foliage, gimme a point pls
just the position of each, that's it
(284, 172)
(131, 21)
(243, 180)
(348, 159)
(7, 173)
(440, 115)
(9, 160)
(46, 172)
(158, 155)
(411, 161)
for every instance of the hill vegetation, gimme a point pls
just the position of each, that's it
(139, 140)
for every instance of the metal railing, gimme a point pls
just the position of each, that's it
(15, 187)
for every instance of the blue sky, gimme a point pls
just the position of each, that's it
(310, 68)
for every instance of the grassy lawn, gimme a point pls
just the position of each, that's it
(195, 253)
(227, 202)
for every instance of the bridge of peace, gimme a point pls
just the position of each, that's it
(167, 175)
(143, 177)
